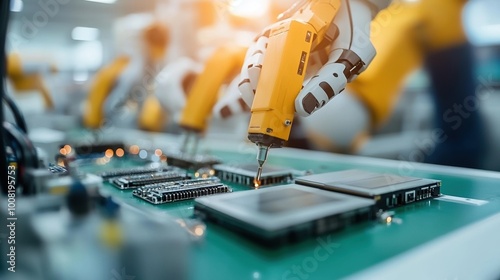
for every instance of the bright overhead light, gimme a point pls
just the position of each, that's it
(85, 33)
(16, 6)
(103, 1)
(248, 9)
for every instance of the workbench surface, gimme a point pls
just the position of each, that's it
(226, 255)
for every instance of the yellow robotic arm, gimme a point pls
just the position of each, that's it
(220, 68)
(288, 46)
(279, 92)
(416, 28)
(28, 76)
(290, 43)
(112, 84)
(101, 87)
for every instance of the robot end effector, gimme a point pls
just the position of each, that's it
(340, 27)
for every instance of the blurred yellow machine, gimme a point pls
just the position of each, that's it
(220, 68)
(152, 115)
(155, 37)
(408, 30)
(104, 81)
(203, 89)
(415, 27)
(28, 76)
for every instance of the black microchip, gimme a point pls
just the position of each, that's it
(133, 171)
(135, 181)
(56, 169)
(284, 214)
(388, 190)
(188, 161)
(244, 174)
(86, 149)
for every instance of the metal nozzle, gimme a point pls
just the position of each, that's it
(190, 139)
(261, 159)
(185, 142)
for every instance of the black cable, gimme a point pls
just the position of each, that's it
(348, 4)
(4, 21)
(18, 116)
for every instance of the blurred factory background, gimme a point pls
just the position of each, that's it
(166, 74)
(79, 37)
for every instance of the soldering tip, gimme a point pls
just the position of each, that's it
(256, 181)
(261, 159)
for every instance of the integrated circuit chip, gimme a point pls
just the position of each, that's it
(284, 214)
(135, 181)
(388, 190)
(133, 171)
(57, 169)
(188, 161)
(180, 190)
(244, 174)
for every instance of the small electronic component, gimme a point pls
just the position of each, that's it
(133, 171)
(387, 190)
(135, 181)
(284, 214)
(57, 169)
(180, 190)
(244, 174)
(188, 161)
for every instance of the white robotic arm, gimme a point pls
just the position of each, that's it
(350, 54)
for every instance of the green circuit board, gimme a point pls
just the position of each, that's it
(225, 254)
